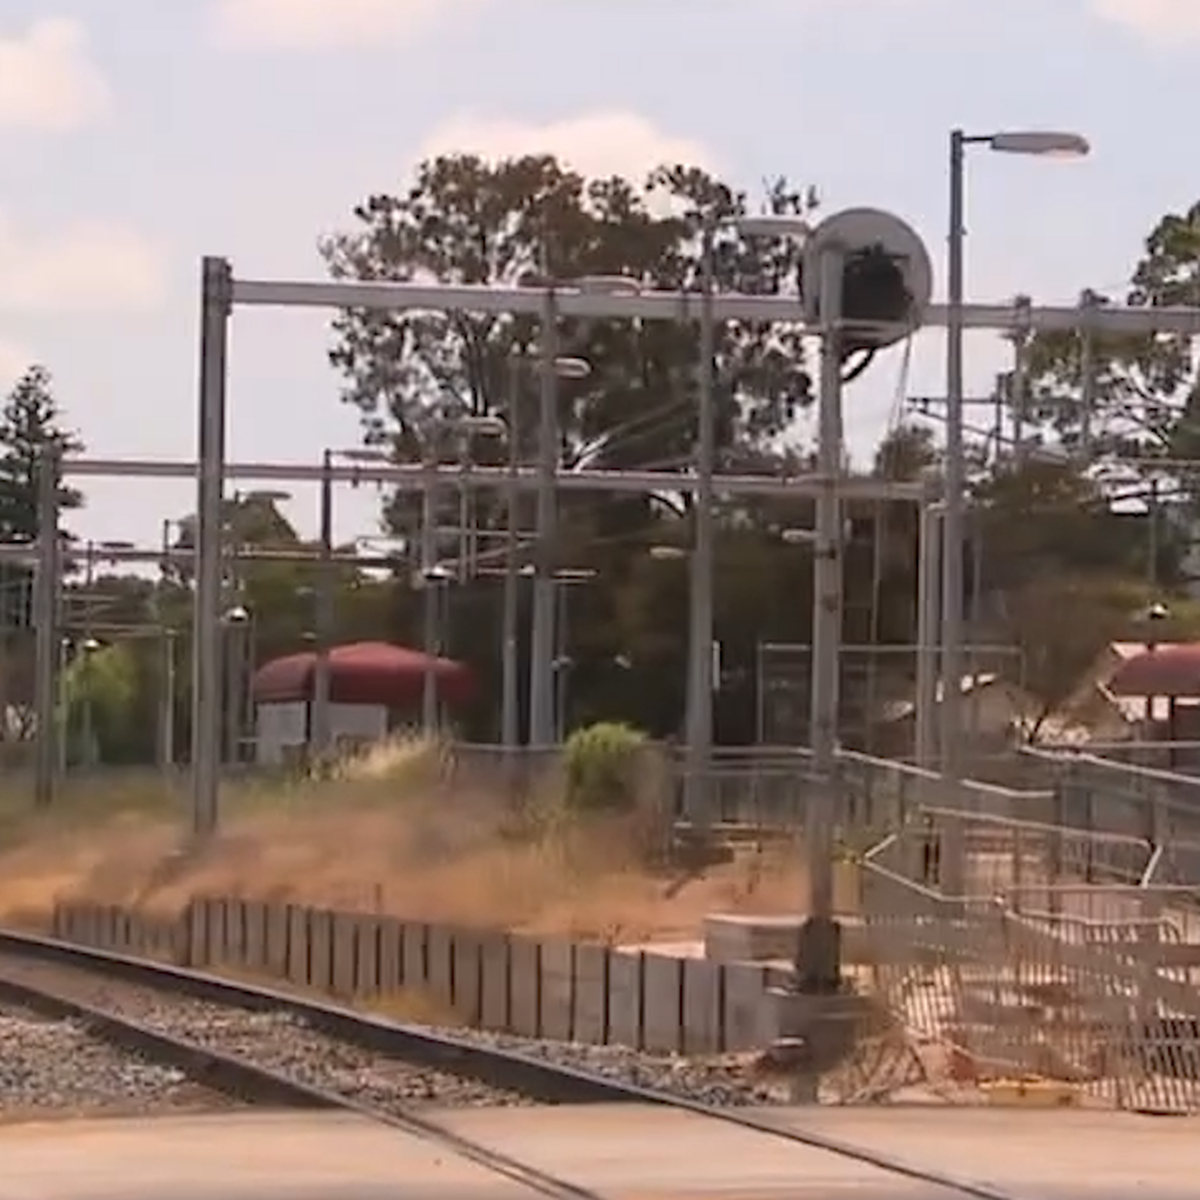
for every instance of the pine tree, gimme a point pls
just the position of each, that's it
(30, 422)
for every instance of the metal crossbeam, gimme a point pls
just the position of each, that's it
(686, 306)
(27, 552)
(415, 477)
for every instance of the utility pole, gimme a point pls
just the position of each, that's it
(510, 688)
(541, 681)
(215, 307)
(819, 952)
(323, 625)
(429, 597)
(47, 584)
(700, 626)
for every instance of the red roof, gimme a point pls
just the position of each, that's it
(363, 673)
(1172, 669)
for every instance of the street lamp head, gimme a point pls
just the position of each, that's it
(266, 496)
(668, 553)
(608, 285)
(365, 454)
(237, 615)
(1045, 143)
(89, 645)
(1157, 612)
(436, 575)
(572, 368)
(773, 225)
(488, 426)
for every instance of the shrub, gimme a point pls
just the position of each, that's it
(601, 768)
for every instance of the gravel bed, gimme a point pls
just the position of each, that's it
(276, 1040)
(285, 1043)
(723, 1081)
(60, 1068)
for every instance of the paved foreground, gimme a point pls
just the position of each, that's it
(626, 1153)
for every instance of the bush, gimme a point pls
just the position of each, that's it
(601, 768)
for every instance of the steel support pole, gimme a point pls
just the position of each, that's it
(429, 603)
(215, 307)
(85, 700)
(166, 712)
(46, 627)
(1089, 302)
(510, 689)
(322, 731)
(954, 521)
(823, 969)
(928, 597)
(699, 704)
(541, 667)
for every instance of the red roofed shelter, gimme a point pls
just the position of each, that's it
(1170, 672)
(373, 688)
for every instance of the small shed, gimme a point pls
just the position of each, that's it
(1167, 674)
(373, 687)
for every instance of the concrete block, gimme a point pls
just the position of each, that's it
(440, 952)
(662, 1024)
(467, 975)
(391, 954)
(749, 1019)
(416, 954)
(526, 991)
(558, 990)
(703, 1005)
(625, 998)
(495, 991)
(275, 939)
(345, 945)
(366, 956)
(255, 953)
(321, 941)
(731, 937)
(297, 966)
(591, 994)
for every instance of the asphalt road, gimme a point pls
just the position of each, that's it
(622, 1153)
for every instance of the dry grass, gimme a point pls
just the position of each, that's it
(382, 833)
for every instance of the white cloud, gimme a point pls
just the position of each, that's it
(88, 266)
(330, 24)
(1164, 23)
(612, 142)
(48, 80)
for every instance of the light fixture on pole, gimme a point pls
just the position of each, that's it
(1038, 143)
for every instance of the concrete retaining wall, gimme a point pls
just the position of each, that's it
(548, 987)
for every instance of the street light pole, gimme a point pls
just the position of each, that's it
(954, 513)
(541, 681)
(700, 627)
(1028, 142)
(323, 625)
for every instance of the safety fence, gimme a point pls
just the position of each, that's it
(538, 987)
(1052, 955)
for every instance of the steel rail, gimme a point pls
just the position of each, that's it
(487, 1064)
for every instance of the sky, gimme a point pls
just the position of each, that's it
(135, 137)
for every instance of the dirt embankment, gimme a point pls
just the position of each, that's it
(445, 858)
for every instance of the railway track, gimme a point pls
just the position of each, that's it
(261, 1046)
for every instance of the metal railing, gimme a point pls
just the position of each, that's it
(999, 988)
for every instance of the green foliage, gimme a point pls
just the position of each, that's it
(101, 689)
(30, 423)
(465, 220)
(601, 767)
